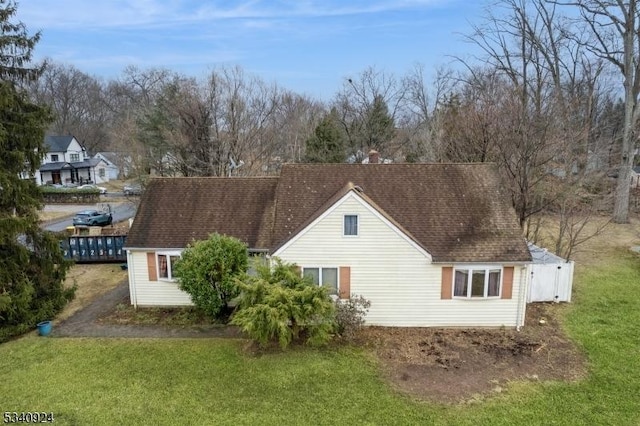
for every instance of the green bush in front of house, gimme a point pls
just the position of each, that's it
(206, 270)
(280, 305)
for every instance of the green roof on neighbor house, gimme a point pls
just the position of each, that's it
(456, 212)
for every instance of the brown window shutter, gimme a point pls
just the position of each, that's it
(447, 282)
(298, 269)
(345, 282)
(151, 266)
(507, 282)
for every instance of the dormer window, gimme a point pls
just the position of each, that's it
(350, 225)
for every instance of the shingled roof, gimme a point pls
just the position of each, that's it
(175, 211)
(456, 212)
(57, 143)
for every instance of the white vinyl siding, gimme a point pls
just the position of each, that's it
(153, 293)
(404, 287)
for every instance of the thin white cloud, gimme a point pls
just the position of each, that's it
(74, 14)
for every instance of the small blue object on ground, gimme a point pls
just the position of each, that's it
(44, 328)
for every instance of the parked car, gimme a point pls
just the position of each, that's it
(102, 189)
(92, 218)
(132, 189)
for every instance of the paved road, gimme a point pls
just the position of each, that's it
(120, 212)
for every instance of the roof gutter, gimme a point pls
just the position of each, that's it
(500, 262)
(252, 250)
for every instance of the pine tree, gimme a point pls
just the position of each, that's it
(16, 47)
(326, 145)
(32, 268)
(379, 126)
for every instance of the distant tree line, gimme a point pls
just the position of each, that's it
(552, 100)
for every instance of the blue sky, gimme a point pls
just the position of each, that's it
(309, 46)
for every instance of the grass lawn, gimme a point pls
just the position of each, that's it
(133, 381)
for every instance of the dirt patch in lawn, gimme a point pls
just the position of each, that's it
(92, 282)
(125, 314)
(457, 365)
(49, 216)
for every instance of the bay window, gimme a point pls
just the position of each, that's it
(477, 282)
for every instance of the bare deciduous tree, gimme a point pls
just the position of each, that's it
(614, 27)
(362, 103)
(78, 103)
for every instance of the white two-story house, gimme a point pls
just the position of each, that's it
(66, 161)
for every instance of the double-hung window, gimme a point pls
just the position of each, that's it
(477, 282)
(166, 262)
(75, 158)
(350, 225)
(326, 277)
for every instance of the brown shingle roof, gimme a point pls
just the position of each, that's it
(175, 211)
(457, 212)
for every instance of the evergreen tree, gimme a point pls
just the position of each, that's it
(326, 145)
(16, 47)
(32, 268)
(379, 128)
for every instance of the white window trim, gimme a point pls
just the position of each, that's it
(471, 268)
(344, 218)
(171, 279)
(320, 268)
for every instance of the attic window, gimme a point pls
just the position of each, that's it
(350, 225)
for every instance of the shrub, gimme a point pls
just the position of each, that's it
(206, 270)
(350, 315)
(31, 283)
(280, 305)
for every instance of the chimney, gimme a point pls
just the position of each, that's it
(374, 157)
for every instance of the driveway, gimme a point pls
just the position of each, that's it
(84, 323)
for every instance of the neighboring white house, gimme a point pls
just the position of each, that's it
(66, 161)
(635, 177)
(427, 244)
(111, 161)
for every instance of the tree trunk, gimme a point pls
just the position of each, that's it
(623, 187)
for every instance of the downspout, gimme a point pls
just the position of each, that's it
(520, 312)
(132, 283)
